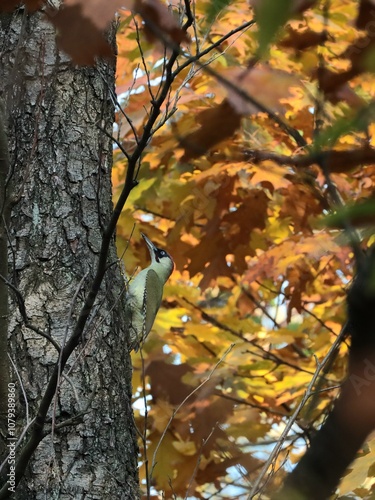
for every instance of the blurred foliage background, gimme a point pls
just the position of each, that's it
(265, 129)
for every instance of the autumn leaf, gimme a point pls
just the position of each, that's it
(231, 182)
(365, 14)
(301, 40)
(78, 36)
(216, 124)
(258, 82)
(159, 21)
(98, 12)
(214, 9)
(268, 86)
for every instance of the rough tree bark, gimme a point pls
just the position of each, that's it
(61, 170)
(4, 222)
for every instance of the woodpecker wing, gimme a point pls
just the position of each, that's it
(151, 300)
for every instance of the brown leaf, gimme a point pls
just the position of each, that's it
(166, 381)
(366, 15)
(160, 21)
(302, 5)
(78, 36)
(210, 256)
(298, 277)
(228, 233)
(346, 93)
(8, 5)
(217, 124)
(205, 413)
(33, 5)
(360, 54)
(329, 81)
(300, 204)
(300, 40)
(245, 305)
(266, 85)
(98, 12)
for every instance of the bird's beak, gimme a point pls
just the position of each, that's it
(150, 245)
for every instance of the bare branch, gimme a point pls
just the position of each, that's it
(309, 392)
(176, 410)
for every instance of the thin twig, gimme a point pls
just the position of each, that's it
(264, 353)
(118, 105)
(140, 48)
(194, 473)
(293, 418)
(176, 410)
(116, 141)
(22, 309)
(210, 48)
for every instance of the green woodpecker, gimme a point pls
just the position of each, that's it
(145, 294)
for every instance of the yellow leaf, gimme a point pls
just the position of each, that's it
(187, 448)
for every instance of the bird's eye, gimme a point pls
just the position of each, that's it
(162, 253)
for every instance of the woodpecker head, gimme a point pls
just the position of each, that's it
(161, 261)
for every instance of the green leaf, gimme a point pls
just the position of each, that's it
(343, 126)
(270, 16)
(350, 213)
(214, 9)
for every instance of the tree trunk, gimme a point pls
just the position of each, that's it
(4, 311)
(61, 173)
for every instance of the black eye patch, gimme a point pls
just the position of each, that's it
(159, 254)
